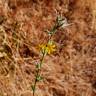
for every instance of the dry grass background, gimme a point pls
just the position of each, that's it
(71, 71)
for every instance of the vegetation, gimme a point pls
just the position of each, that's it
(59, 61)
(48, 48)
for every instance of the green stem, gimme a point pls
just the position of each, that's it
(37, 73)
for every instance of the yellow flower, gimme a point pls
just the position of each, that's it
(47, 48)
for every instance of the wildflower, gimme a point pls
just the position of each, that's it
(47, 48)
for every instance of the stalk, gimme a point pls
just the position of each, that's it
(59, 23)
